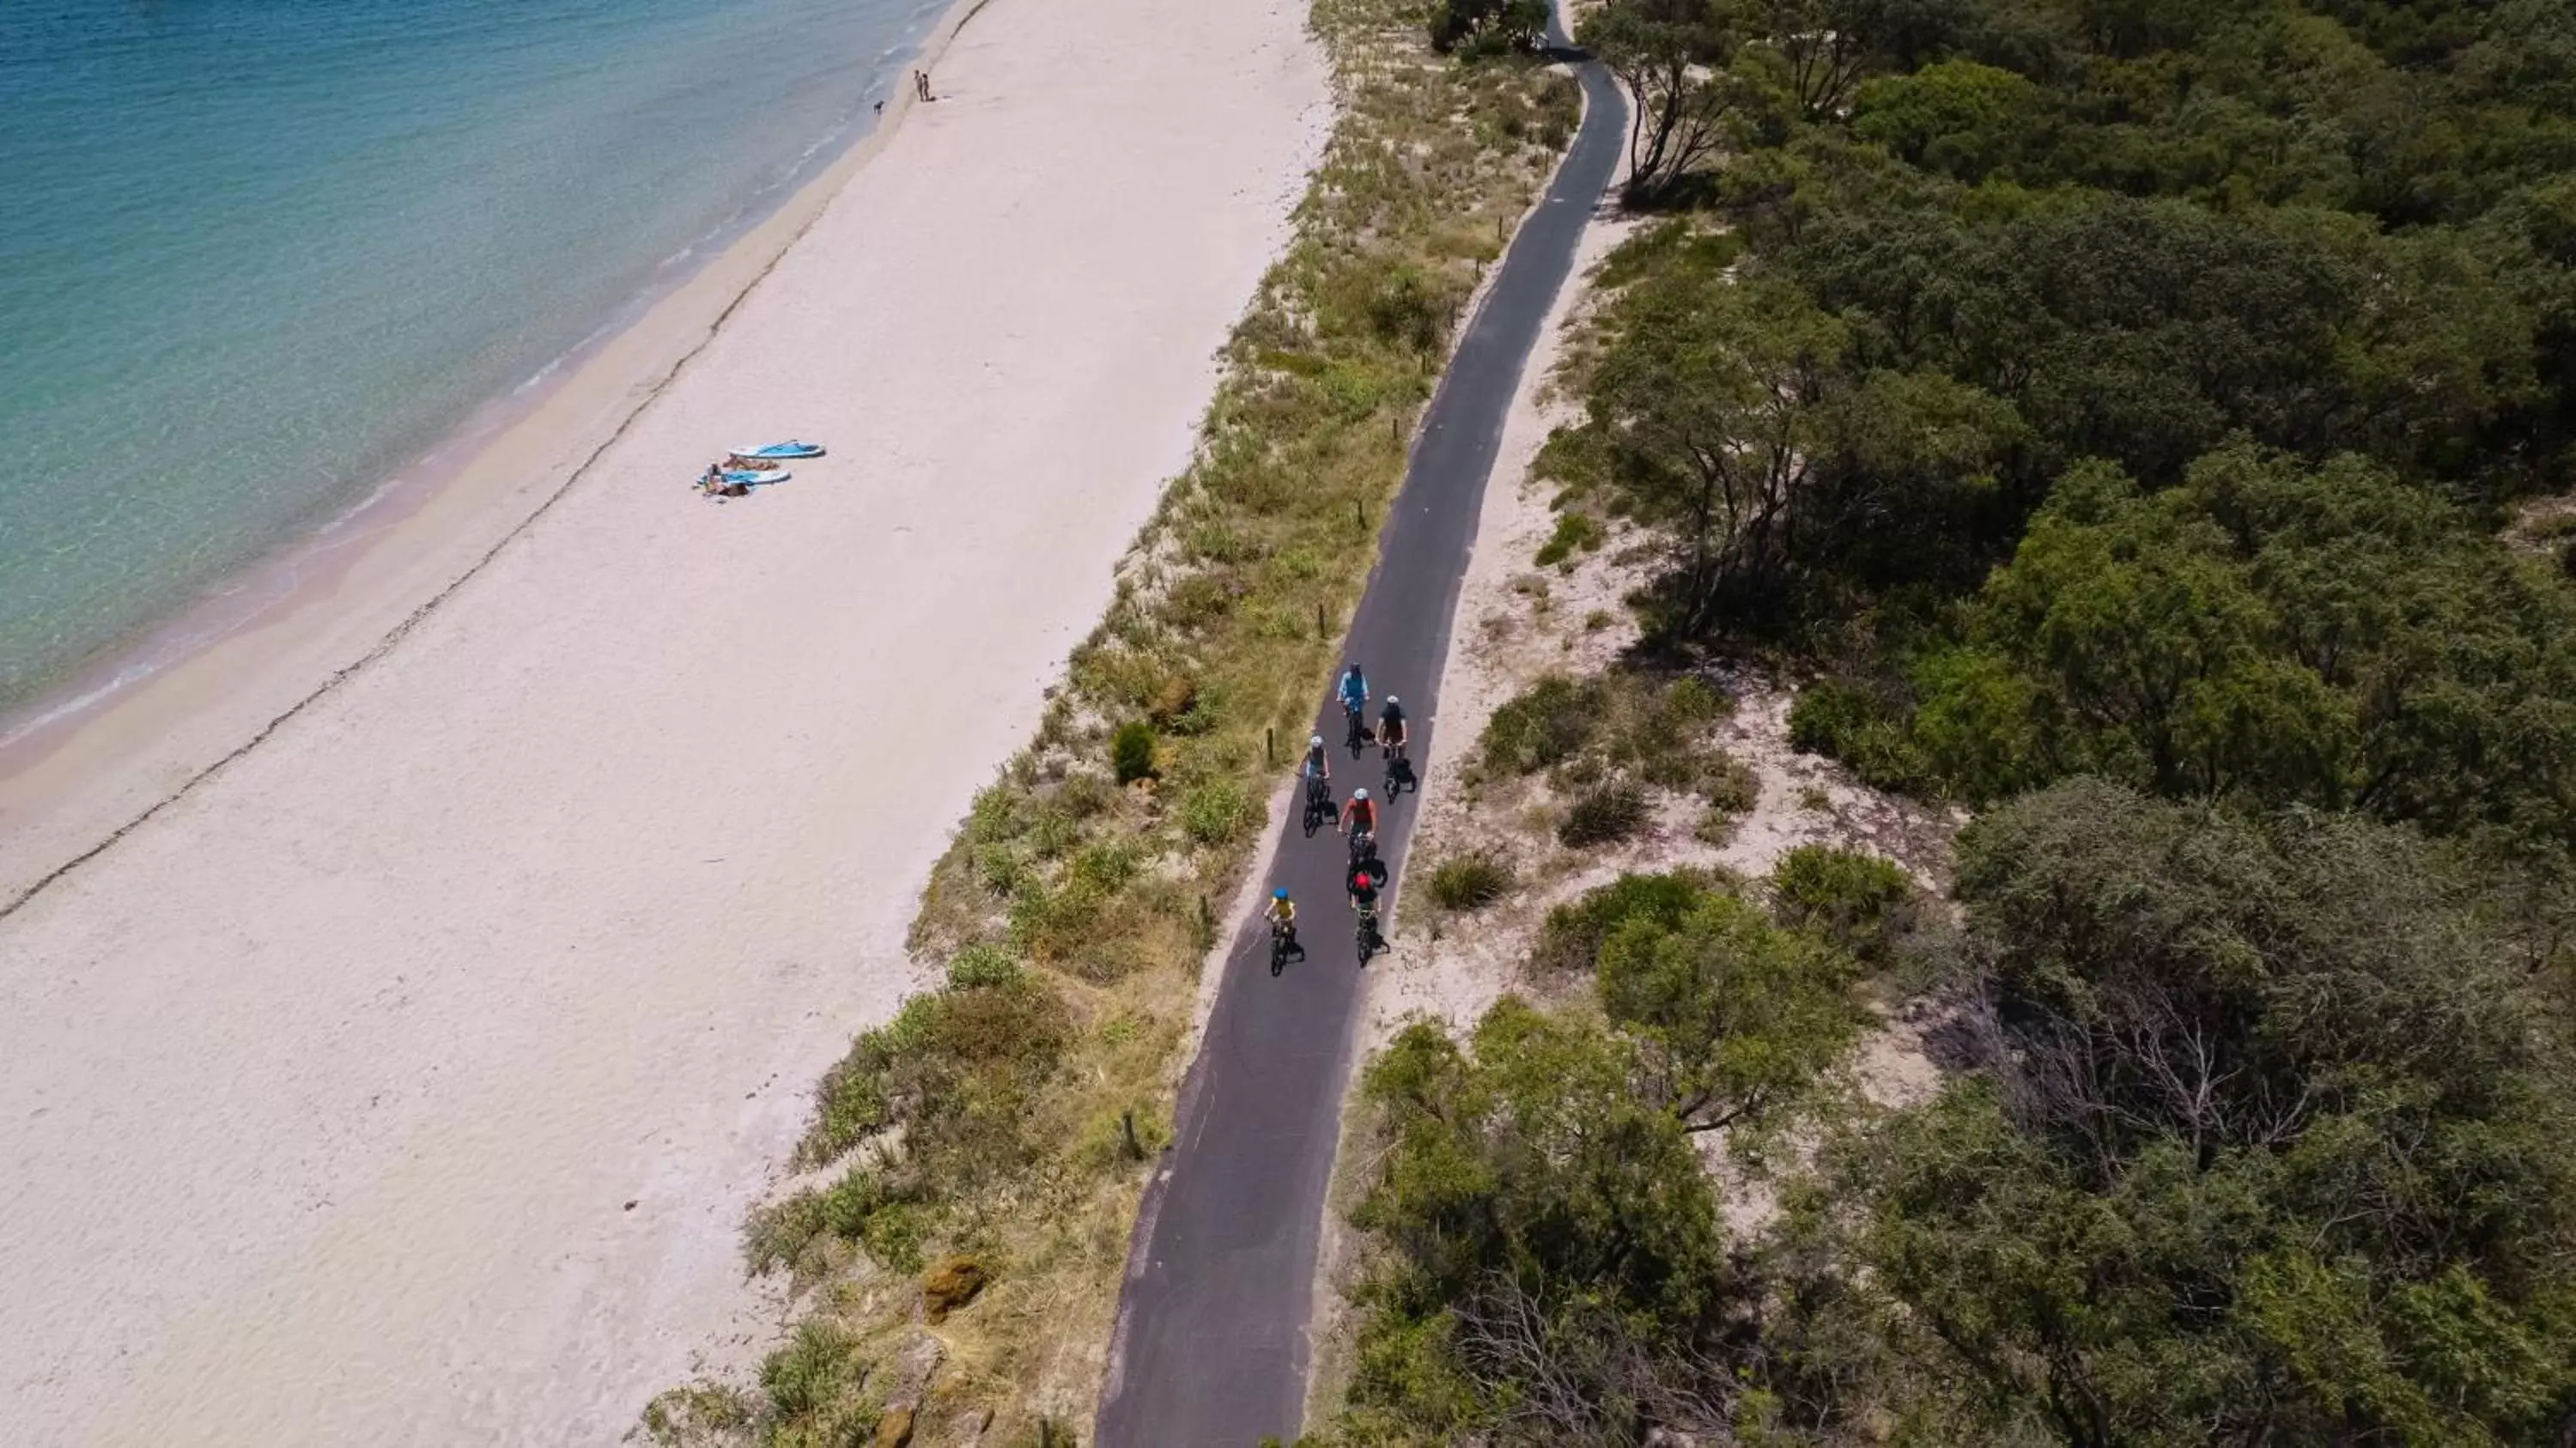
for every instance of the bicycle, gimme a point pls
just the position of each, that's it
(1363, 845)
(1365, 927)
(1319, 804)
(1354, 717)
(1399, 772)
(1283, 947)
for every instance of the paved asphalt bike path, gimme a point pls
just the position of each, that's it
(1211, 1348)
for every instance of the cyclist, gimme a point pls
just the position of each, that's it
(1392, 733)
(1282, 915)
(1364, 880)
(1318, 765)
(1353, 691)
(1359, 821)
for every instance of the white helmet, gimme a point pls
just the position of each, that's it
(1390, 698)
(1359, 794)
(1314, 741)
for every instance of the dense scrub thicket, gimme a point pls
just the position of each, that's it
(2117, 404)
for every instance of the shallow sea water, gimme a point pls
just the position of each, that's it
(258, 257)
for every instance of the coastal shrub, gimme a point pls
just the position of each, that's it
(1717, 826)
(1052, 831)
(1199, 600)
(1470, 881)
(1540, 726)
(1854, 724)
(1861, 903)
(816, 1386)
(1584, 731)
(960, 1071)
(1215, 812)
(997, 868)
(1661, 731)
(778, 1233)
(982, 964)
(1049, 924)
(1217, 541)
(1104, 865)
(1730, 789)
(1570, 940)
(1730, 786)
(1405, 309)
(1083, 795)
(1576, 532)
(1614, 812)
(1131, 751)
(869, 1208)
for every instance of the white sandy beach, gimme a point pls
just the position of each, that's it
(405, 1082)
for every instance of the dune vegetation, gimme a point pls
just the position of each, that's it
(998, 1131)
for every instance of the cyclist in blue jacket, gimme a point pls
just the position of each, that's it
(1353, 691)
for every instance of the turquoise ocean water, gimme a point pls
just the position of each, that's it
(259, 256)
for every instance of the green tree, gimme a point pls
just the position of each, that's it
(1552, 1241)
(1958, 117)
(1827, 46)
(1488, 27)
(2152, 656)
(1733, 1015)
(1709, 402)
(1674, 57)
(2271, 1145)
(2323, 635)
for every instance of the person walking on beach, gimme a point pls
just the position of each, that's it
(921, 86)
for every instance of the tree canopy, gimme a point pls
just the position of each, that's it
(2115, 408)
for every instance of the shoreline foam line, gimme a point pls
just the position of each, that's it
(932, 48)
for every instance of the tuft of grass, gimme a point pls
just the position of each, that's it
(1470, 882)
(699, 1414)
(816, 1387)
(982, 1114)
(983, 964)
(1216, 812)
(1613, 812)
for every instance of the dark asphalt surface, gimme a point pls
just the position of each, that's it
(1211, 1347)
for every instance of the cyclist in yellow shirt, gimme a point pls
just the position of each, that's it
(1282, 915)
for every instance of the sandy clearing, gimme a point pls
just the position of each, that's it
(405, 1083)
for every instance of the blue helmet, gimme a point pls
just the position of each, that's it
(1279, 894)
